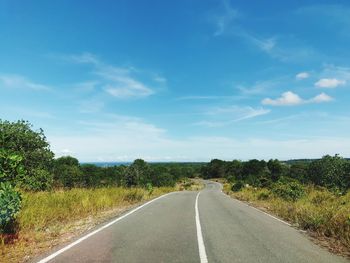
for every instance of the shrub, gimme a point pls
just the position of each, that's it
(289, 191)
(264, 194)
(237, 186)
(10, 204)
(11, 169)
(40, 180)
(20, 139)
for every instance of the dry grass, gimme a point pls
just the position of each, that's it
(51, 218)
(323, 214)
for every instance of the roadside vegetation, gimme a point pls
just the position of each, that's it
(310, 194)
(45, 201)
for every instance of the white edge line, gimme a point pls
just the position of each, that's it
(52, 256)
(257, 209)
(201, 247)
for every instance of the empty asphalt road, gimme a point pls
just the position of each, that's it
(187, 227)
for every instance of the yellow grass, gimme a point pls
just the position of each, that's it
(50, 218)
(321, 212)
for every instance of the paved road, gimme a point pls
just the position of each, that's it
(166, 231)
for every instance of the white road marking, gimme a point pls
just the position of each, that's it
(257, 209)
(282, 221)
(201, 247)
(52, 256)
(278, 219)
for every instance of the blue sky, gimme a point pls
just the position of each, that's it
(179, 80)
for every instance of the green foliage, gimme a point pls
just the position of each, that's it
(10, 204)
(237, 186)
(19, 139)
(41, 180)
(11, 169)
(290, 191)
(67, 172)
(264, 194)
(330, 171)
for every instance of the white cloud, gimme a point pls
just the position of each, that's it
(287, 48)
(109, 147)
(127, 87)
(287, 99)
(119, 82)
(323, 97)
(224, 20)
(223, 116)
(302, 75)
(291, 99)
(20, 82)
(329, 83)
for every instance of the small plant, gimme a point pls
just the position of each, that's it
(149, 188)
(289, 191)
(237, 186)
(10, 204)
(264, 195)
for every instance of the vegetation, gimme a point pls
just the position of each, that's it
(38, 192)
(10, 204)
(331, 172)
(313, 195)
(325, 214)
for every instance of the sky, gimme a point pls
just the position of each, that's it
(186, 80)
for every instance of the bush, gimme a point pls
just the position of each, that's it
(264, 195)
(237, 186)
(40, 180)
(10, 204)
(11, 169)
(19, 139)
(289, 191)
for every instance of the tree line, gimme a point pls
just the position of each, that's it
(27, 162)
(332, 172)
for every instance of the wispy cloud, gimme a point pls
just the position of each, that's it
(19, 82)
(302, 75)
(259, 87)
(335, 16)
(119, 82)
(225, 19)
(329, 83)
(199, 97)
(283, 48)
(223, 116)
(290, 98)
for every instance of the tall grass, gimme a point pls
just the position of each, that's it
(50, 218)
(43, 209)
(320, 211)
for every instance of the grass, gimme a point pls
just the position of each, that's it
(50, 218)
(322, 213)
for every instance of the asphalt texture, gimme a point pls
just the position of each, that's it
(165, 231)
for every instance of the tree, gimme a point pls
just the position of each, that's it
(276, 169)
(139, 173)
(234, 170)
(19, 139)
(67, 172)
(11, 169)
(298, 171)
(330, 172)
(214, 169)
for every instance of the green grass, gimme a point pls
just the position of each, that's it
(320, 211)
(50, 218)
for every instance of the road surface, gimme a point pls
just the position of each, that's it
(192, 227)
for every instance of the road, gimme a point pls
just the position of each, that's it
(169, 230)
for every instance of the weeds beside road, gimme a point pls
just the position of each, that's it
(323, 214)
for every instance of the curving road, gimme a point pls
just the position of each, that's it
(192, 227)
